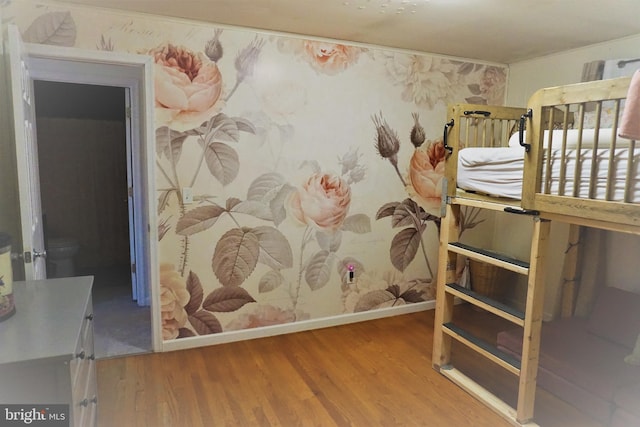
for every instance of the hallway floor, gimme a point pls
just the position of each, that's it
(121, 327)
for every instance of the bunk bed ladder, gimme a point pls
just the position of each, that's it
(530, 320)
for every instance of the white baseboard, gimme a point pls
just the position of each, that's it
(287, 328)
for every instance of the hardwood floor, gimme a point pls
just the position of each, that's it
(375, 373)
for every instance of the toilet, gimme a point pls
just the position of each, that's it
(60, 253)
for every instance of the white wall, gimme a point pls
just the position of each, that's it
(563, 68)
(620, 251)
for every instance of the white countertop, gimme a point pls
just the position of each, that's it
(47, 321)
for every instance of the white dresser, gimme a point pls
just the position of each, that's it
(46, 348)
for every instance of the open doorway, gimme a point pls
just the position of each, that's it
(83, 162)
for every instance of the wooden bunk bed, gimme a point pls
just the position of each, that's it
(562, 161)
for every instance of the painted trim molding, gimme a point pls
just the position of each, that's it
(287, 328)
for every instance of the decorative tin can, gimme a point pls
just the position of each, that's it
(7, 305)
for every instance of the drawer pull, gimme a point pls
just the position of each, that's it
(89, 316)
(80, 355)
(92, 357)
(84, 402)
(94, 400)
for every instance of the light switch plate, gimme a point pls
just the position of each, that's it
(187, 195)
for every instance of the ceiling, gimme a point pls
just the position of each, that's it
(503, 31)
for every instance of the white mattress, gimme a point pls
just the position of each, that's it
(498, 172)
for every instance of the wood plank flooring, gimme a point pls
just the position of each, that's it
(375, 373)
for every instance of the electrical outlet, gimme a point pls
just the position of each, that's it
(187, 195)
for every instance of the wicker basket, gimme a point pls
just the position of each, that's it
(490, 280)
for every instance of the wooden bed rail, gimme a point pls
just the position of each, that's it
(599, 184)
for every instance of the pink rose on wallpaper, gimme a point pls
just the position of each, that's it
(187, 87)
(265, 315)
(330, 58)
(173, 297)
(426, 172)
(324, 57)
(323, 202)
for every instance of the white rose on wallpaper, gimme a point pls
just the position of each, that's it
(426, 79)
(281, 96)
(173, 298)
(493, 84)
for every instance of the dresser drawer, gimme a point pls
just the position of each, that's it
(46, 348)
(84, 346)
(83, 376)
(85, 406)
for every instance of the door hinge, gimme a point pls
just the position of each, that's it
(133, 268)
(127, 112)
(130, 191)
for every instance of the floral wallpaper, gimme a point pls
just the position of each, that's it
(315, 167)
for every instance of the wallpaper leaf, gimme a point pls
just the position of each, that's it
(185, 333)
(466, 68)
(387, 210)
(394, 290)
(255, 209)
(224, 128)
(232, 202)
(264, 187)
(412, 296)
(205, 323)
(163, 200)
(53, 28)
(402, 217)
(404, 247)
(198, 219)
(222, 161)
(476, 100)
(227, 299)
(318, 270)
(329, 241)
(277, 204)
(195, 291)
(169, 142)
(474, 89)
(313, 165)
(275, 250)
(244, 125)
(272, 191)
(358, 223)
(271, 280)
(373, 300)
(236, 256)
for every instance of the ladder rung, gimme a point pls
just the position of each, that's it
(490, 257)
(489, 351)
(481, 201)
(506, 312)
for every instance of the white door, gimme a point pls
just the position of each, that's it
(131, 199)
(33, 252)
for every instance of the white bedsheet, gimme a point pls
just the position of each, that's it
(499, 172)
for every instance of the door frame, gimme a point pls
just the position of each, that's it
(73, 65)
